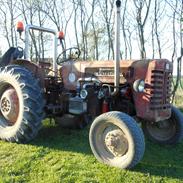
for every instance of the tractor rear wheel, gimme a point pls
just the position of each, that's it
(21, 104)
(117, 140)
(168, 131)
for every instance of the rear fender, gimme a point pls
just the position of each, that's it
(37, 71)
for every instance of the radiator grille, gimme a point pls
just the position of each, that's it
(160, 90)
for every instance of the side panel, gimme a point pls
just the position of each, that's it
(70, 72)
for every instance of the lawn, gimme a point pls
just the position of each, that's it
(60, 155)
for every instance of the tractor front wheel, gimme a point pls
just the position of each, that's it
(168, 131)
(117, 140)
(21, 104)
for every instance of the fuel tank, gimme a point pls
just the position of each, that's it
(153, 104)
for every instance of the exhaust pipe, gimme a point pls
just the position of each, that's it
(117, 49)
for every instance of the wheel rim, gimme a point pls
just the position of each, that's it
(111, 141)
(163, 130)
(115, 142)
(9, 105)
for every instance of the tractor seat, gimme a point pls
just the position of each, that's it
(11, 54)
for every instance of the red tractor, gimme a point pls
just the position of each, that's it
(121, 97)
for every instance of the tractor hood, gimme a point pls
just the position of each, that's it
(130, 70)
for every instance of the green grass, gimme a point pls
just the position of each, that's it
(60, 155)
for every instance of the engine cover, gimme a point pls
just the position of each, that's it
(103, 70)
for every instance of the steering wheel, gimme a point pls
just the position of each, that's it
(68, 54)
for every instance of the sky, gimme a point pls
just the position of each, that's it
(165, 34)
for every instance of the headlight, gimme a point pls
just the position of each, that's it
(139, 85)
(83, 94)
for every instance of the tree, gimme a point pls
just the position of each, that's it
(177, 15)
(142, 7)
(107, 9)
(9, 16)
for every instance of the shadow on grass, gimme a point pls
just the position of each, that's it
(163, 161)
(58, 138)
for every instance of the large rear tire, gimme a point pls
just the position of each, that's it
(169, 131)
(117, 140)
(21, 104)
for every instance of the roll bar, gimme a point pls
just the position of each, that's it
(42, 29)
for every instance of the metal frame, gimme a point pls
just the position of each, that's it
(42, 29)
